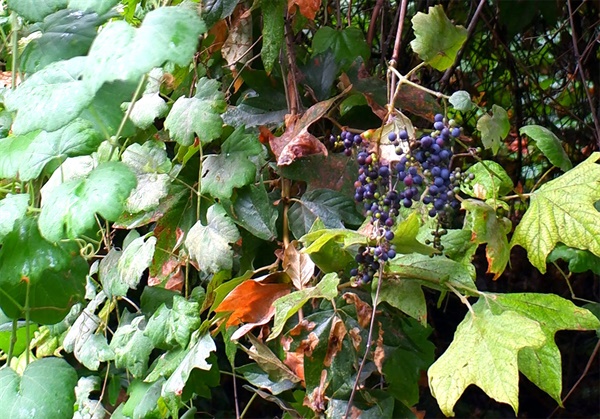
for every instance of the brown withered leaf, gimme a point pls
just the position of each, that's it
(295, 362)
(296, 141)
(363, 310)
(237, 46)
(219, 30)
(316, 400)
(379, 355)
(298, 265)
(355, 337)
(268, 361)
(336, 339)
(252, 302)
(308, 8)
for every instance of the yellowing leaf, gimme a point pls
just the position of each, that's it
(563, 210)
(484, 352)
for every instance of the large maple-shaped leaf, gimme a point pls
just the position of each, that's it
(132, 347)
(208, 245)
(562, 210)
(484, 352)
(437, 40)
(488, 228)
(542, 366)
(170, 327)
(199, 115)
(232, 168)
(122, 52)
(71, 207)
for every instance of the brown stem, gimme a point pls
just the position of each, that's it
(373, 22)
(582, 75)
(470, 31)
(293, 96)
(396, 53)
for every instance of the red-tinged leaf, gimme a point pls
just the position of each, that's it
(308, 8)
(251, 302)
(296, 141)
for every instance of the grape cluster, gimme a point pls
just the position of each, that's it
(345, 141)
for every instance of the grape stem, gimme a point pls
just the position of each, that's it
(369, 342)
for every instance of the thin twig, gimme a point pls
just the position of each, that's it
(470, 31)
(235, 393)
(397, 42)
(582, 75)
(369, 342)
(373, 22)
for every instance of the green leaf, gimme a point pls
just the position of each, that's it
(542, 366)
(33, 10)
(195, 358)
(121, 52)
(134, 260)
(437, 40)
(54, 273)
(131, 347)
(69, 210)
(143, 401)
(6, 333)
(93, 351)
(490, 181)
(405, 236)
(233, 167)
(26, 156)
(331, 207)
(408, 353)
(259, 378)
(288, 305)
(431, 272)
(273, 17)
(98, 6)
(36, 99)
(172, 327)
(405, 295)
(45, 389)
(199, 115)
(151, 105)
(549, 144)
(215, 10)
(346, 44)
(494, 128)
(208, 244)
(459, 247)
(12, 208)
(484, 352)
(562, 210)
(253, 210)
(488, 228)
(64, 34)
(461, 101)
(579, 260)
(328, 248)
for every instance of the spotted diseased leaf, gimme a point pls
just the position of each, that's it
(232, 168)
(70, 209)
(484, 352)
(562, 210)
(437, 40)
(209, 245)
(199, 115)
(488, 228)
(171, 327)
(132, 347)
(135, 259)
(494, 128)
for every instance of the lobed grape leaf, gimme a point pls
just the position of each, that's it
(198, 115)
(484, 352)
(170, 327)
(461, 101)
(437, 40)
(252, 209)
(39, 100)
(562, 210)
(72, 206)
(46, 388)
(542, 366)
(132, 347)
(346, 44)
(151, 105)
(208, 245)
(549, 144)
(233, 167)
(122, 52)
(488, 228)
(494, 128)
